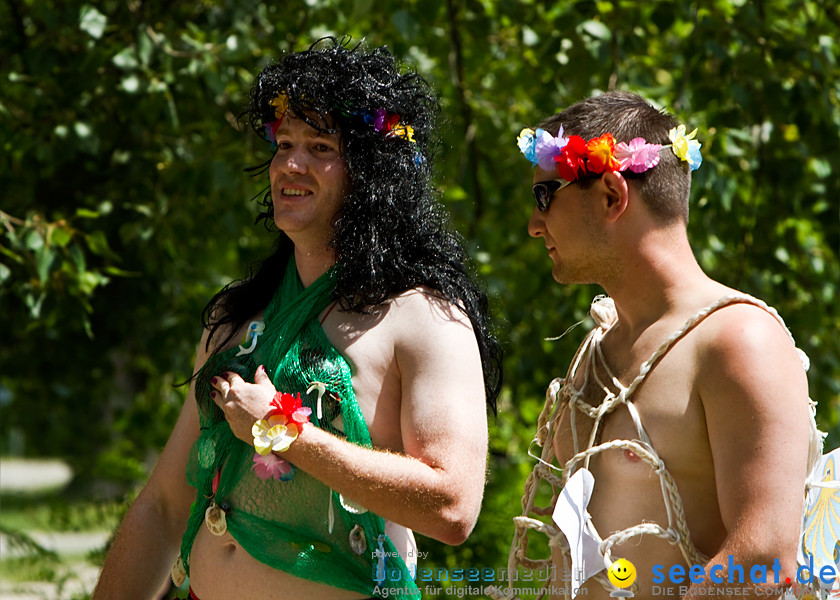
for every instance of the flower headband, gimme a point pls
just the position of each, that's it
(572, 157)
(388, 124)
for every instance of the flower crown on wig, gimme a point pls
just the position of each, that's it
(388, 124)
(573, 157)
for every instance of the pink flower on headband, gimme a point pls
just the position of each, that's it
(638, 155)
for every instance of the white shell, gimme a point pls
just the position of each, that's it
(178, 573)
(214, 518)
(358, 541)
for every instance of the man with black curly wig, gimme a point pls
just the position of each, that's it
(340, 393)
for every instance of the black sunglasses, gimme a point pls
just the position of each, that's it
(544, 190)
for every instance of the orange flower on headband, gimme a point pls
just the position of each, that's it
(601, 154)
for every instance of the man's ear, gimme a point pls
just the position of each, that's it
(616, 195)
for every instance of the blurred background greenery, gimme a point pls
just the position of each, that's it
(124, 205)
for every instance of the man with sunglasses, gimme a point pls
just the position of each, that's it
(682, 428)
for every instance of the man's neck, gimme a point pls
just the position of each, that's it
(658, 275)
(311, 263)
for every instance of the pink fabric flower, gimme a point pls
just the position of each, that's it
(638, 156)
(271, 466)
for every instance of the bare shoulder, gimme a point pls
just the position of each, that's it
(742, 331)
(744, 347)
(426, 306)
(420, 321)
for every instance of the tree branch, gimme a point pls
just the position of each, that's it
(456, 67)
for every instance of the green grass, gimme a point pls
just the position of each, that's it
(52, 512)
(18, 574)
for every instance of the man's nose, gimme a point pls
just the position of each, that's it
(294, 161)
(536, 224)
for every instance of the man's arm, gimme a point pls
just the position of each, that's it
(755, 395)
(435, 487)
(148, 539)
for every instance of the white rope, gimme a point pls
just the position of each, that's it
(677, 532)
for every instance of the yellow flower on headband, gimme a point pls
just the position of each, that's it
(685, 146)
(280, 104)
(404, 131)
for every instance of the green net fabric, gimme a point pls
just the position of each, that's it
(299, 526)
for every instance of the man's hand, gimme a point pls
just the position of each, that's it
(243, 402)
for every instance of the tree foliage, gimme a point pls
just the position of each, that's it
(125, 205)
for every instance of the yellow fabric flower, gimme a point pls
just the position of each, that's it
(280, 104)
(274, 434)
(404, 131)
(684, 146)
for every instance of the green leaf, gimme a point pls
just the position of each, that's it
(82, 129)
(86, 213)
(43, 260)
(92, 22)
(144, 46)
(34, 241)
(130, 84)
(60, 236)
(98, 243)
(597, 30)
(126, 59)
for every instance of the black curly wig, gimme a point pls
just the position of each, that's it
(391, 235)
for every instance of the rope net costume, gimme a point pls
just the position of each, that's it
(295, 524)
(561, 393)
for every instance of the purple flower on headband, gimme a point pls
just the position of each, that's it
(548, 146)
(638, 155)
(380, 116)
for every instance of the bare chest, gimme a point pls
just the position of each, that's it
(604, 405)
(365, 342)
(661, 423)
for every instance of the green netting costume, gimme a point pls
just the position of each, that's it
(295, 524)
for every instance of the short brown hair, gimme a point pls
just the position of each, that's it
(665, 188)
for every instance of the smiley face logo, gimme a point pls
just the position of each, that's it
(622, 573)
